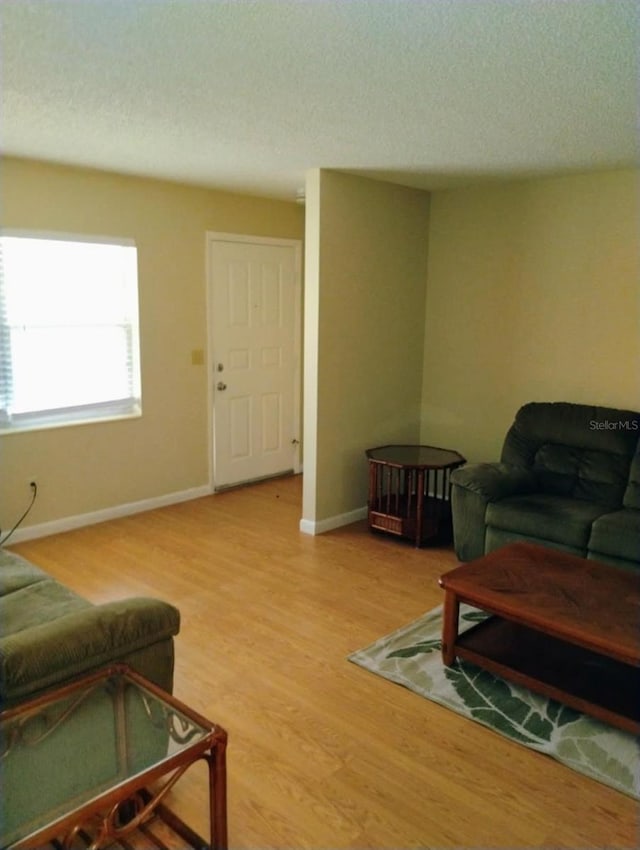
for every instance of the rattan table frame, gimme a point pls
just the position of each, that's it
(120, 810)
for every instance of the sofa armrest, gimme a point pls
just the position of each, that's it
(494, 481)
(57, 651)
(474, 486)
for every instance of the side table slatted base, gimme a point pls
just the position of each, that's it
(410, 491)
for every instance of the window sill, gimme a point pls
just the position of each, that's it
(47, 425)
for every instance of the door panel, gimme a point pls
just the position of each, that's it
(255, 342)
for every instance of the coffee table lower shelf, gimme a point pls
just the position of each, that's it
(589, 682)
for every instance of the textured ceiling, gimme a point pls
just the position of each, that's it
(247, 94)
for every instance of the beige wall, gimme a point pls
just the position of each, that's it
(533, 295)
(366, 264)
(88, 468)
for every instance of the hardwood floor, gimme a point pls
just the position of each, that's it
(323, 754)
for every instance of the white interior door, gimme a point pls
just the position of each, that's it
(254, 322)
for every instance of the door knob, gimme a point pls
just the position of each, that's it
(221, 385)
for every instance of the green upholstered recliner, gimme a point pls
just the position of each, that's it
(49, 635)
(568, 478)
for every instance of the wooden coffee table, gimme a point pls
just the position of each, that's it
(563, 626)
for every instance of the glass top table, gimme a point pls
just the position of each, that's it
(84, 756)
(429, 457)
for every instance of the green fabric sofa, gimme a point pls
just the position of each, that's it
(49, 635)
(568, 477)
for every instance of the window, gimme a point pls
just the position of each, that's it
(69, 349)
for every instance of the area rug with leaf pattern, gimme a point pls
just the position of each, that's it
(411, 657)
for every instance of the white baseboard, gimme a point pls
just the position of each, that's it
(57, 526)
(308, 526)
(68, 523)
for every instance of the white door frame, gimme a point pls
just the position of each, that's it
(296, 244)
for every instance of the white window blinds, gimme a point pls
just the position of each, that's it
(69, 349)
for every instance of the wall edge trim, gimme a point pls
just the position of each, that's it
(70, 523)
(309, 526)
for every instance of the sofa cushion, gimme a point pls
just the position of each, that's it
(558, 519)
(16, 572)
(49, 635)
(36, 604)
(576, 450)
(497, 538)
(617, 534)
(87, 638)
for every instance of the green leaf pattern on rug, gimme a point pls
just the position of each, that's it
(416, 649)
(491, 701)
(411, 657)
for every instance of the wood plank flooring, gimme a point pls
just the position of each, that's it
(323, 754)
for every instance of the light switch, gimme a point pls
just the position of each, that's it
(197, 357)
